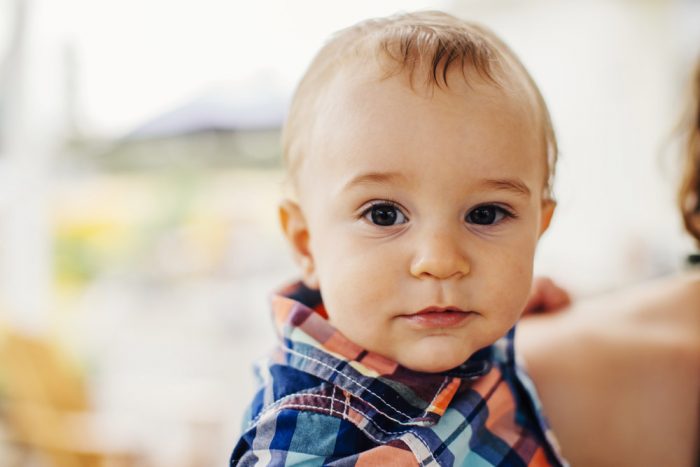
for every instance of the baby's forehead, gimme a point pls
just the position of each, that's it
(366, 112)
(358, 76)
(363, 114)
(373, 97)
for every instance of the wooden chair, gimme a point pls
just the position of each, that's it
(46, 405)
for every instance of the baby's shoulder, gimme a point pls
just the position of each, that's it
(281, 385)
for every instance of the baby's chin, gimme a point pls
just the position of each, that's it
(434, 357)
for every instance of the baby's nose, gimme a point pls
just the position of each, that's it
(440, 255)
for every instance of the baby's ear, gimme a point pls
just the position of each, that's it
(296, 231)
(548, 207)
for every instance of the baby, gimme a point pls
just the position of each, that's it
(420, 155)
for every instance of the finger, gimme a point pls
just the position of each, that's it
(546, 296)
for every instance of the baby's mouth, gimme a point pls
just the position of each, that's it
(438, 317)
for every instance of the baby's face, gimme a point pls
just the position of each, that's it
(419, 215)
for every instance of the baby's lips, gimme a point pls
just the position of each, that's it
(436, 317)
(439, 309)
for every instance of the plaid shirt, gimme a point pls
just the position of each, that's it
(326, 401)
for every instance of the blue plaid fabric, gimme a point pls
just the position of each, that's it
(325, 401)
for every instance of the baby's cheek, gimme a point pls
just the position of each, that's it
(513, 298)
(522, 275)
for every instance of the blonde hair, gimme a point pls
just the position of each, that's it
(428, 43)
(689, 192)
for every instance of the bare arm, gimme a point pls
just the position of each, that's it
(619, 376)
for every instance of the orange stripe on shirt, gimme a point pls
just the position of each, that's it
(386, 456)
(442, 400)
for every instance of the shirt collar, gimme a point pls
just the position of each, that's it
(309, 343)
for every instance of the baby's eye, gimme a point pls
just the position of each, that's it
(486, 215)
(385, 215)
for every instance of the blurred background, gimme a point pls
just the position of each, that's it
(140, 171)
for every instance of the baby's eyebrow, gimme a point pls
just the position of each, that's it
(514, 185)
(374, 177)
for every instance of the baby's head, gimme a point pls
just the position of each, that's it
(420, 155)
